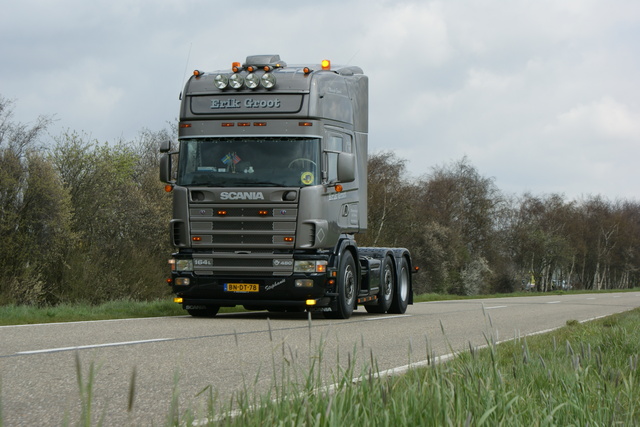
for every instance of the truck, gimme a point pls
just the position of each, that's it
(269, 188)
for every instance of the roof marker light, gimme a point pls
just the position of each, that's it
(236, 67)
(326, 64)
(198, 73)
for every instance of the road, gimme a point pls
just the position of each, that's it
(182, 356)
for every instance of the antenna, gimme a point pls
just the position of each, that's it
(185, 68)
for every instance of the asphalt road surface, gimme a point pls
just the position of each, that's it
(177, 358)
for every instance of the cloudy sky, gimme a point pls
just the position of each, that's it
(541, 95)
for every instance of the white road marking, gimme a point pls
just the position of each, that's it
(553, 302)
(495, 306)
(388, 317)
(83, 347)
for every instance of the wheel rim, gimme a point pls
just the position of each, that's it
(404, 284)
(349, 284)
(388, 284)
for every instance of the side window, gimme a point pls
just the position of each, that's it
(336, 143)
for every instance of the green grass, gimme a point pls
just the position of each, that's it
(123, 309)
(583, 374)
(120, 309)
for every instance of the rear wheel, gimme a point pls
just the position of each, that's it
(347, 287)
(206, 311)
(387, 287)
(401, 294)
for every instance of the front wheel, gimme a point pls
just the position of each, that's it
(401, 295)
(205, 311)
(347, 287)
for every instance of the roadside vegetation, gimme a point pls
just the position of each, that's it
(582, 374)
(85, 221)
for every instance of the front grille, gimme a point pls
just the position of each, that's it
(241, 226)
(246, 239)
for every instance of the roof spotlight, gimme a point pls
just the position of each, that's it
(268, 80)
(236, 81)
(221, 81)
(252, 80)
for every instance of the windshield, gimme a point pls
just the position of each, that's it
(255, 162)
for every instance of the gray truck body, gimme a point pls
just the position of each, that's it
(271, 187)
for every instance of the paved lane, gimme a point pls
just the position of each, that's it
(184, 355)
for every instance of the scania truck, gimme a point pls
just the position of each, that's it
(269, 191)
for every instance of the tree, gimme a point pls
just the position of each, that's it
(35, 214)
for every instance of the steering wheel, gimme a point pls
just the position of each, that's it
(301, 159)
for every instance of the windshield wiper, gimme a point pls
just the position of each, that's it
(260, 183)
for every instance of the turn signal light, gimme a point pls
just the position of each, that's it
(168, 188)
(326, 64)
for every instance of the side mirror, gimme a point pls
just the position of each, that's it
(165, 146)
(346, 167)
(165, 168)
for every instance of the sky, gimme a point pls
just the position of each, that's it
(543, 96)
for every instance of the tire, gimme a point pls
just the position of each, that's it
(209, 311)
(403, 287)
(387, 289)
(347, 288)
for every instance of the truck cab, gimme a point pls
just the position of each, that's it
(269, 185)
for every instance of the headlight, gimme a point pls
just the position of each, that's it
(184, 265)
(236, 81)
(310, 266)
(252, 81)
(268, 80)
(221, 81)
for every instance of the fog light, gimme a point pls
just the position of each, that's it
(182, 281)
(178, 300)
(304, 283)
(310, 302)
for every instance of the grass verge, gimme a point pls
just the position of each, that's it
(120, 309)
(124, 309)
(583, 374)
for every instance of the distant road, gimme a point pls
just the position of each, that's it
(38, 362)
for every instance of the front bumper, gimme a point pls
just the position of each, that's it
(265, 291)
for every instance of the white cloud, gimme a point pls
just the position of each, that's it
(542, 94)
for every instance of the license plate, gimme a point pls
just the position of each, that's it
(241, 287)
